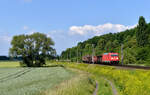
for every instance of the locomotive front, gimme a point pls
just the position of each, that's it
(111, 58)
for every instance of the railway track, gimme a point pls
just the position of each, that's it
(129, 66)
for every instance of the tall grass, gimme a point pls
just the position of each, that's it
(128, 82)
(81, 84)
(104, 87)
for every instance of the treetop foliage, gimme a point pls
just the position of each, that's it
(33, 48)
(142, 34)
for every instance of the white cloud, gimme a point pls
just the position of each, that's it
(99, 29)
(57, 34)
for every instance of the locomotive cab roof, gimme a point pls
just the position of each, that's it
(110, 53)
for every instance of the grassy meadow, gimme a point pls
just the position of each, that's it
(65, 78)
(53, 80)
(82, 84)
(126, 81)
(9, 64)
(31, 81)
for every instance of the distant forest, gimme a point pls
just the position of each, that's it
(136, 45)
(5, 58)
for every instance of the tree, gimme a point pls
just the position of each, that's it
(148, 35)
(129, 56)
(131, 43)
(88, 49)
(141, 33)
(142, 53)
(101, 44)
(109, 46)
(33, 48)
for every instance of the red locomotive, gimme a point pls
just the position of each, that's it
(111, 58)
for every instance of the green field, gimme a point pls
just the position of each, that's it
(63, 78)
(52, 80)
(9, 64)
(31, 81)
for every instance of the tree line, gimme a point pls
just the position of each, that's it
(136, 44)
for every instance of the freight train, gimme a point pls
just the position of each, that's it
(106, 58)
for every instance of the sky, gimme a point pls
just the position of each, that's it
(68, 22)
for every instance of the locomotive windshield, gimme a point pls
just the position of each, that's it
(114, 55)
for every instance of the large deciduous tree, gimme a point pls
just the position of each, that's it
(32, 48)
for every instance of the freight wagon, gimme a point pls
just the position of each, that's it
(110, 58)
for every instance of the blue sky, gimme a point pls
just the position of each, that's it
(68, 21)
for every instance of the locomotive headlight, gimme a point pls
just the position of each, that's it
(117, 58)
(112, 58)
